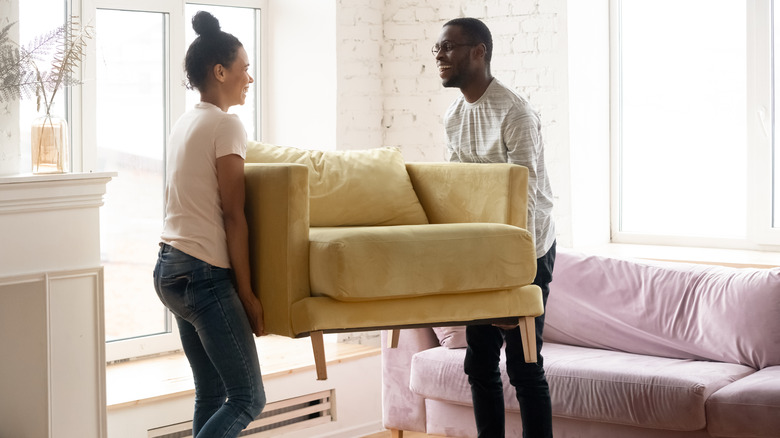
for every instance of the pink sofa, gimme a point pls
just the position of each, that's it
(632, 349)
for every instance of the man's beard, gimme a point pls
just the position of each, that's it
(455, 81)
(460, 78)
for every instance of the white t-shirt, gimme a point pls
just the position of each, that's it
(501, 127)
(193, 207)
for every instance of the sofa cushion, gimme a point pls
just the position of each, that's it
(437, 373)
(451, 337)
(632, 389)
(351, 188)
(367, 263)
(668, 309)
(595, 385)
(749, 407)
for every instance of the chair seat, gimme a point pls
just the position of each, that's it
(389, 262)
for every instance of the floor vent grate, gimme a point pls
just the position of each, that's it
(282, 416)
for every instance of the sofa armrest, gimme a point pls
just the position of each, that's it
(472, 192)
(277, 211)
(403, 409)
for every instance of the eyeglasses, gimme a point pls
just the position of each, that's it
(447, 47)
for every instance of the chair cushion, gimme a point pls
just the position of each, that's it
(351, 188)
(370, 263)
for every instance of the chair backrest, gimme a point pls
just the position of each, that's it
(471, 192)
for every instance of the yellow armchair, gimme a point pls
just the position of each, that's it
(470, 259)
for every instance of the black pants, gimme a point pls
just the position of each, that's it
(481, 366)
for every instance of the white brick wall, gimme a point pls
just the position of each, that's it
(359, 74)
(390, 93)
(388, 43)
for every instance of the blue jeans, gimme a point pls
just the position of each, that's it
(217, 341)
(481, 365)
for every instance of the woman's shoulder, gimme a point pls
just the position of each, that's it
(210, 114)
(229, 123)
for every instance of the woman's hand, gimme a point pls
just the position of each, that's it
(254, 312)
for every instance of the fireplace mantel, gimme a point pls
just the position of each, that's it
(50, 222)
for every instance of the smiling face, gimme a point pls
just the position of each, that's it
(457, 65)
(237, 79)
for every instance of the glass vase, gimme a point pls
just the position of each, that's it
(50, 145)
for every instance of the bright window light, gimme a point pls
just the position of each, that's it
(682, 157)
(131, 133)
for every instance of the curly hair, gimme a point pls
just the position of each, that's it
(211, 47)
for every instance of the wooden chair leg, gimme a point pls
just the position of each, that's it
(392, 338)
(528, 335)
(318, 346)
(395, 433)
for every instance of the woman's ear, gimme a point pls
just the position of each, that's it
(219, 72)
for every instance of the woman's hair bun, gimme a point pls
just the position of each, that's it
(204, 23)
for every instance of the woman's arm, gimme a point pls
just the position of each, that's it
(230, 177)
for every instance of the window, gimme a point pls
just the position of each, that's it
(130, 115)
(691, 122)
(132, 92)
(775, 159)
(48, 16)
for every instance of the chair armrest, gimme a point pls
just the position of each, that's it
(403, 409)
(472, 192)
(277, 211)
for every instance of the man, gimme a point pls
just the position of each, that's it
(490, 123)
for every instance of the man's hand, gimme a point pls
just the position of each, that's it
(506, 326)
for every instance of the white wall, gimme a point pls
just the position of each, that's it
(10, 153)
(301, 73)
(359, 75)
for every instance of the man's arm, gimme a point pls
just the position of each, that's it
(524, 145)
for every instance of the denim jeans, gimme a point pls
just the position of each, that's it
(481, 365)
(217, 340)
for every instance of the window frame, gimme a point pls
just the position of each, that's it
(761, 115)
(760, 235)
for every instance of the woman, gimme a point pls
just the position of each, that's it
(202, 272)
